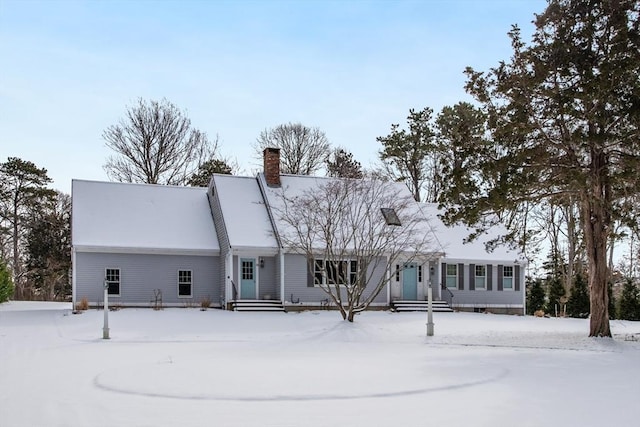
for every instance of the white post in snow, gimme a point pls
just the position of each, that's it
(429, 311)
(105, 328)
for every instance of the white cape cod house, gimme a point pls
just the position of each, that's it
(221, 244)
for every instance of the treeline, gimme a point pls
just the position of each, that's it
(35, 234)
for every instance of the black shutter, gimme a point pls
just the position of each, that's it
(500, 272)
(472, 277)
(443, 277)
(311, 265)
(461, 277)
(516, 278)
(489, 277)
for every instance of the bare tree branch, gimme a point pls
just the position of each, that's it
(155, 144)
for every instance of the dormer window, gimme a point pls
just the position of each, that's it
(390, 216)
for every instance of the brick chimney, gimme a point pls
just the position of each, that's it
(271, 158)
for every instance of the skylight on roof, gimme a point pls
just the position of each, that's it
(390, 216)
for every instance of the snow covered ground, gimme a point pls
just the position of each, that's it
(185, 367)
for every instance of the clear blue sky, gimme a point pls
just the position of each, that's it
(69, 69)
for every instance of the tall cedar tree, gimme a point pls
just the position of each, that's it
(341, 164)
(22, 189)
(578, 303)
(408, 154)
(155, 144)
(535, 296)
(459, 128)
(630, 301)
(303, 150)
(564, 114)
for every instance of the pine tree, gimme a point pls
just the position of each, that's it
(535, 296)
(556, 291)
(6, 286)
(202, 176)
(406, 153)
(630, 301)
(578, 304)
(341, 164)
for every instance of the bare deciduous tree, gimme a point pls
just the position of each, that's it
(350, 244)
(155, 144)
(303, 150)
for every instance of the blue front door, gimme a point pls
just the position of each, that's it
(410, 282)
(247, 278)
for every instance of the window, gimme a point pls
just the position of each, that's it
(397, 272)
(452, 276)
(184, 283)
(420, 273)
(507, 277)
(112, 278)
(247, 270)
(481, 276)
(390, 216)
(335, 272)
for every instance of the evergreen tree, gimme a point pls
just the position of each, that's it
(202, 176)
(48, 245)
(630, 301)
(578, 304)
(613, 312)
(22, 189)
(405, 154)
(6, 286)
(556, 292)
(535, 296)
(341, 164)
(563, 114)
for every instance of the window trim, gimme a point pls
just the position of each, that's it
(190, 283)
(483, 277)
(447, 276)
(351, 272)
(508, 279)
(110, 282)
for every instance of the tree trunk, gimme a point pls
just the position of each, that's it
(597, 222)
(351, 315)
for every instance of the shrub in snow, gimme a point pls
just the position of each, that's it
(6, 285)
(630, 301)
(82, 305)
(205, 303)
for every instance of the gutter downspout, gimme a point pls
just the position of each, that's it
(228, 288)
(389, 284)
(282, 275)
(73, 278)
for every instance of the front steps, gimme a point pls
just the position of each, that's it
(257, 305)
(438, 306)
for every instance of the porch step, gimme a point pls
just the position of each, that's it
(257, 305)
(438, 306)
